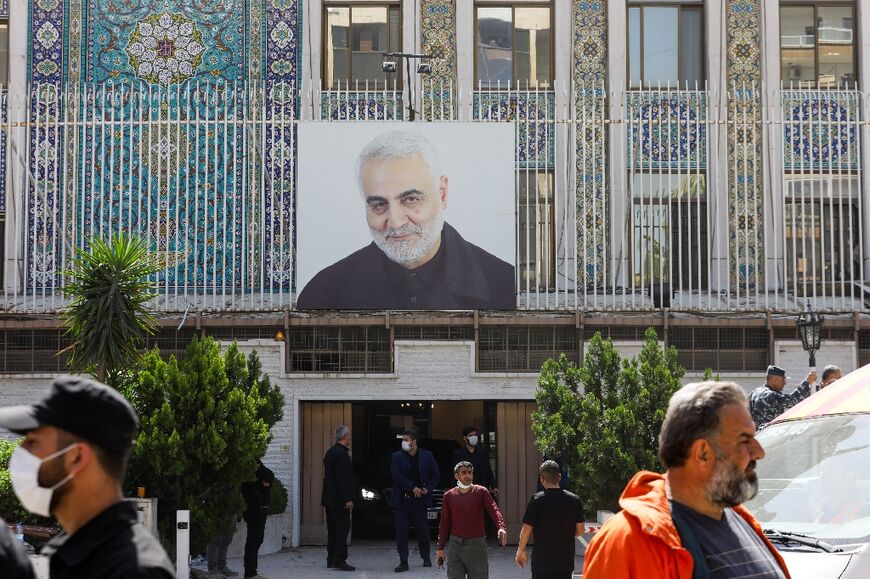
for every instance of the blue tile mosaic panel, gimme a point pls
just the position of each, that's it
(361, 106)
(745, 198)
(589, 75)
(438, 38)
(533, 113)
(3, 113)
(167, 45)
(668, 130)
(820, 130)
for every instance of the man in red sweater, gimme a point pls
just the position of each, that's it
(462, 526)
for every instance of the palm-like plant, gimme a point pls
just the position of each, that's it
(109, 316)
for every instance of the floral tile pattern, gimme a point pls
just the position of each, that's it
(745, 199)
(533, 114)
(668, 130)
(351, 106)
(589, 77)
(3, 111)
(438, 38)
(819, 130)
(172, 48)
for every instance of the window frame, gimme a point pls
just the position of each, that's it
(856, 42)
(528, 206)
(700, 7)
(514, 84)
(325, 81)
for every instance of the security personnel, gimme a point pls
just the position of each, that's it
(768, 401)
(415, 476)
(71, 464)
(472, 452)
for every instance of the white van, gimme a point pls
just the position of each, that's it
(814, 482)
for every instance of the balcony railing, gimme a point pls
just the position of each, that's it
(697, 200)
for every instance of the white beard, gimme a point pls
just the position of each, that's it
(413, 250)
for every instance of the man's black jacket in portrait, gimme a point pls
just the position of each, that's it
(461, 276)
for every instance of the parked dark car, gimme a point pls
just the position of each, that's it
(372, 516)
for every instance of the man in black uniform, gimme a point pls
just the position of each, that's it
(71, 464)
(470, 451)
(416, 260)
(555, 516)
(13, 560)
(337, 497)
(258, 497)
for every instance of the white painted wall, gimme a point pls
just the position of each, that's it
(790, 355)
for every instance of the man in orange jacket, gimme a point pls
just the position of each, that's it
(689, 522)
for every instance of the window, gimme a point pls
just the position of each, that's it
(537, 232)
(822, 221)
(524, 349)
(514, 47)
(669, 230)
(721, 349)
(817, 45)
(863, 347)
(4, 52)
(665, 46)
(434, 333)
(341, 349)
(355, 38)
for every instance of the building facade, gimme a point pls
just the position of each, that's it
(691, 166)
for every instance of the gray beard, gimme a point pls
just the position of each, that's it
(730, 487)
(407, 252)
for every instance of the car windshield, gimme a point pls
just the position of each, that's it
(815, 478)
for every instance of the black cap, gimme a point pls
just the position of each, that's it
(82, 407)
(775, 371)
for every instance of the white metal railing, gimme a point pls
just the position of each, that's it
(690, 198)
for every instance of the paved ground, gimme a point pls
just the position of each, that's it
(374, 559)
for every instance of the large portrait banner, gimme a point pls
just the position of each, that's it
(406, 216)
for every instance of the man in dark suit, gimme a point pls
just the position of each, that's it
(415, 476)
(258, 497)
(416, 261)
(337, 497)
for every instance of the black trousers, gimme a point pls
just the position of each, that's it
(256, 531)
(337, 528)
(413, 512)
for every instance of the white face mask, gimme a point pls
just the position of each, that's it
(24, 472)
(406, 446)
(463, 486)
(472, 440)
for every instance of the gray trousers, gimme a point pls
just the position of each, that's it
(467, 558)
(216, 553)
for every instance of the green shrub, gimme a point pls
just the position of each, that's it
(603, 418)
(278, 498)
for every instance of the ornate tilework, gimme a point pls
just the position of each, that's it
(4, 9)
(166, 43)
(281, 42)
(745, 199)
(819, 130)
(438, 38)
(532, 113)
(351, 106)
(668, 130)
(589, 78)
(3, 119)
